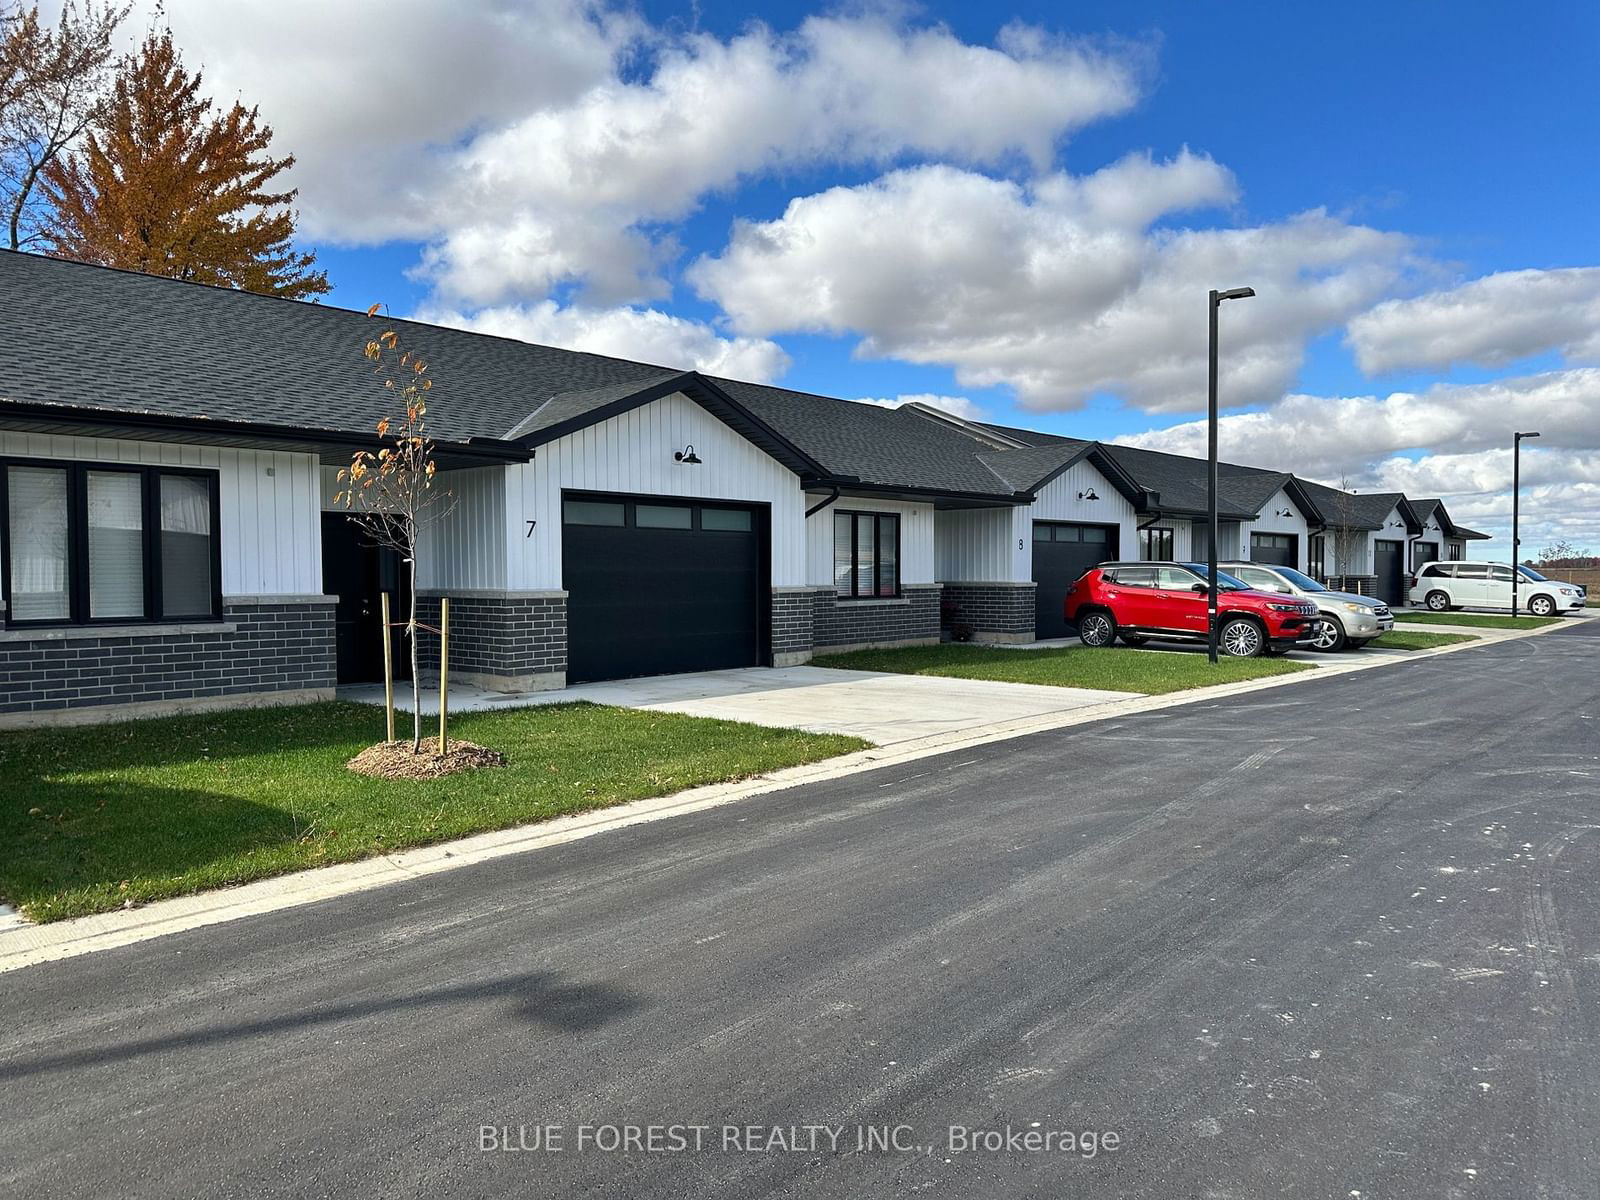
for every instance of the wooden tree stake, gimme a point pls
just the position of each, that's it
(444, 666)
(388, 672)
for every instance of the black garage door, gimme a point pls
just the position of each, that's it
(1388, 563)
(1276, 549)
(1061, 553)
(1423, 552)
(661, 586)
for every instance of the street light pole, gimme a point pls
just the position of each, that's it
(1211, 468)
(1516, 540)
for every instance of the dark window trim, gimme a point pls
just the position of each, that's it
(77, 472)
(855, 516)
(1167, 539)
(1317, 556)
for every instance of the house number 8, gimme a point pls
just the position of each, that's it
(1019, 543)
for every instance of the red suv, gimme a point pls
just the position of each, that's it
(1138, 601)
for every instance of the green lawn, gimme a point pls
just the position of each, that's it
(1118, 670)
(1474, 620)
(1405, 639)
(95, 817)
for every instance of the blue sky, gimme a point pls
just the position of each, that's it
(1451, 146)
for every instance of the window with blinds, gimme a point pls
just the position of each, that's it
(866, 555)
(39, 568)
(88, 544)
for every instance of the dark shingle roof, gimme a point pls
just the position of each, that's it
(1427, 508)
(1357, 510)
(1180, 482)
(1022, 470)
(121, 342)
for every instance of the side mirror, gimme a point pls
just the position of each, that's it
(1200, 589)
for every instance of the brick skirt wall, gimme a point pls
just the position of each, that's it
(793, 625)
(996, 612)
(910, 620)
(260, 652)
(508, 643)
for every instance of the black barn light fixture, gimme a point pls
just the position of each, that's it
(687, 456)
(1088, 494)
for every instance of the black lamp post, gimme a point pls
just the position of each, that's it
(1211, 467)
(1516, 541)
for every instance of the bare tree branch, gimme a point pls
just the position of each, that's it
(53, 85)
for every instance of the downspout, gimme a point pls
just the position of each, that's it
(822, 504)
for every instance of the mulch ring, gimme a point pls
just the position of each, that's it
(394, 760)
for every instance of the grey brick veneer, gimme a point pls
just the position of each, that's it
(997, 612)
(265, 649)
(507, 642)
(912, 619)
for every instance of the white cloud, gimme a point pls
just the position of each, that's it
(1060, 288)
(1323, 436)
(1451, 441)
(1490, 321)
(372, 95)
(643, 335)
(958, 406)
(541, 144)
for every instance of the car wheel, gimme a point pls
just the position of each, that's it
(1331, 637)
(1541, 606)
(1097, 629)
(1240, 637)
(1133, 639)
(1438, 602)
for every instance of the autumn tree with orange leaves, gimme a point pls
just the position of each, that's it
(391, 492)
(164, 185)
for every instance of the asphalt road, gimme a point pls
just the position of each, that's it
(1339, 939)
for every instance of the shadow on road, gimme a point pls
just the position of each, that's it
(538, 998)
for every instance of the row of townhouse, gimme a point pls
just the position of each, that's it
(169, 538)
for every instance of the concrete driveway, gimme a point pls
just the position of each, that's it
(881, 708)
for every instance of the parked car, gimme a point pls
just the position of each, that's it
(1468, 583)
(1348, 618)
(1166, 601)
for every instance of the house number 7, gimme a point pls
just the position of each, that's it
(531, 524)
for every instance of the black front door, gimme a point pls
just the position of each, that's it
(1061, 553)
(1388, 563)
(661, 586)
(359, 571)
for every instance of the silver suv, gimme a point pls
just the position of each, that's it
(1347, 618)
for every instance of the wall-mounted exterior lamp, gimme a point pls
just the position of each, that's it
(687, 456)
(1088, 495)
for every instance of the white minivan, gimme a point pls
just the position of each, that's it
(1442, 586)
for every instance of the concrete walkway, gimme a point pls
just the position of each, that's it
(883, 709)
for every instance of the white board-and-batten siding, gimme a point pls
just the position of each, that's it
(916, 537)
(271, 534)
(633, 454)
(1269, 522)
